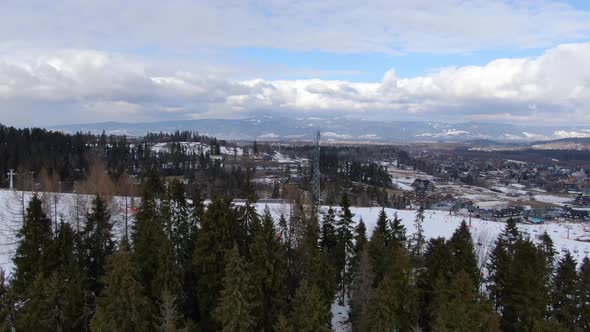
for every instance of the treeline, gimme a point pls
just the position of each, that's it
(182, 266)
(67, 159)
(34, 149)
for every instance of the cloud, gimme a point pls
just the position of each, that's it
(86, 85)
(346, 26)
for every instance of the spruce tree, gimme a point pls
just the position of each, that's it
(418, 239)
(310, 312)
(583, 295)
(398, 231)
(361, 293)
(500, 264)
(549, 250)
(122, 305)
(97, 242)
(55, 300)
(188, 298)
(382, 226)
(33, 252)
(7, 304)
(437, 271)
(564, 300)
(152, 251)
(267, 270)
(235, 309)
(168, 317)
(220, 230)
(526, 295)
(328, 238)
(360, 242)
(463, 253)
(379, 248)
(456, 307)
(282, 325)
(394, 303)
(345, 247)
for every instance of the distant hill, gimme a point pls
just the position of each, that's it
(344, 129)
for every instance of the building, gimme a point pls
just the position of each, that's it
(422, 188)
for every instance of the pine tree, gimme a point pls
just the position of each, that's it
(220, 230)
(55, 299)
(379, 248)
(463, 253)
(328, 238)
(361, 293)
(526, 300)
(267, 270)
(97, 242)
(152, 251)
(250, 218)
(345, 247)
(168, 315)
(7, 304)
(500, 264)
(382, 226)
(235, 309)
(310, 312)
(436, 273)
(282, 325)
(33, 252)
(398, 231)
(122, 305)
(188, 298)
(418, 239)
(456, 307)
(360, 242)
(564, 300)
(583, 295)
(549, 251)
(393, 307)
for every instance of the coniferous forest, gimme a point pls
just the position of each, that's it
(189, 266)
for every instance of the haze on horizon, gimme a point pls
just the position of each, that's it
(522, 62)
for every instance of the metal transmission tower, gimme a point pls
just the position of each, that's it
(316, 170)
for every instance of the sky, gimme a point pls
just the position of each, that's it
(67, 62)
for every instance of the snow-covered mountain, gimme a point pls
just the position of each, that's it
(340, 129)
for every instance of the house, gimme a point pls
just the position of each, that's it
(511, 212)
(571, 214)
(422, 188)
(583, 200)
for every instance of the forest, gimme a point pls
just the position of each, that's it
(188, 265)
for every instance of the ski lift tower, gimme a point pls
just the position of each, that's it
(316, 170)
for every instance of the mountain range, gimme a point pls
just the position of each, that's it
(340, 129)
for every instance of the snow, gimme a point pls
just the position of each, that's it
(340, 316)
(553, 199)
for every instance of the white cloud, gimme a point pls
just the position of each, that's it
(84, 85)
(351, 26)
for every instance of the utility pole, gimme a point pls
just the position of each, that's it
(11, 175)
